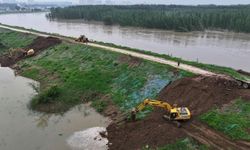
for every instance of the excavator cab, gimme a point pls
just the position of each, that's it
(180, 113)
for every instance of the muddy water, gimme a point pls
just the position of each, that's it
(22, 129)
(221, 48)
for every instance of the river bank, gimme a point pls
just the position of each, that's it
(207, 47)
(213, 68)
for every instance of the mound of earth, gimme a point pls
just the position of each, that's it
(199, 94)
(42, 43)
(39, 44)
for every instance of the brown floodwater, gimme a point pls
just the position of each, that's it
(212, 47)
(23, 129)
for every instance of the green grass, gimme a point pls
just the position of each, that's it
(47, 96)
(86, 73)
(99, 105)
(182, 144)
(10, 39)
(233, 120)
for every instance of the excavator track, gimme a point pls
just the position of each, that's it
(177, 123)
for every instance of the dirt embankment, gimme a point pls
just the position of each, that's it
(199, 94)
(39, 44)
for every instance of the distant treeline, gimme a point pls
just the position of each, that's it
(170, 17)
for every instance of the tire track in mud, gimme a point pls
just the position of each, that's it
(212, 138)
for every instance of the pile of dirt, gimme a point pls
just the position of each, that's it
(199, 94)
(39, 44)
(42, 43)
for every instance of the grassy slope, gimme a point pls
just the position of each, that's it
(85, 73)
(233, 120)
(184, 144)
(10, 39)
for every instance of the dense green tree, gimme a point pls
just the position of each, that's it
(170, 17)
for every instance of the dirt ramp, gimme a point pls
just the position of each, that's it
(200, 93)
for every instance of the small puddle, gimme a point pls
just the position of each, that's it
(21, 128)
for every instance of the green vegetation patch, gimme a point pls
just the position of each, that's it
(169, 17)
(10, 39)
(86, 73)
(233, 120)
(47, 96)
(182, 144)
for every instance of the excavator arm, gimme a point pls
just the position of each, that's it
(156, 103)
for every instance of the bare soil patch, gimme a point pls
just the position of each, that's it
(42, 43)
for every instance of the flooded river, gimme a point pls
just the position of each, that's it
(221, 48)
(22, 129)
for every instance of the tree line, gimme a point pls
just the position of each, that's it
(169, 17)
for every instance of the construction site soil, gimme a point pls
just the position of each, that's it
(199, 94)
(39, 44)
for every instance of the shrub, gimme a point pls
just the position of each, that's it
(47, 96)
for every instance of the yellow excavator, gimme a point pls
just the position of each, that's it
(175, 113)
(82, 39)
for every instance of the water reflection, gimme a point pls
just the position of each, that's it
(42, 121)
(21, 128)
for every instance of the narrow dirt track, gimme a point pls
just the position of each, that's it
(212, 138)
(189, 68)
